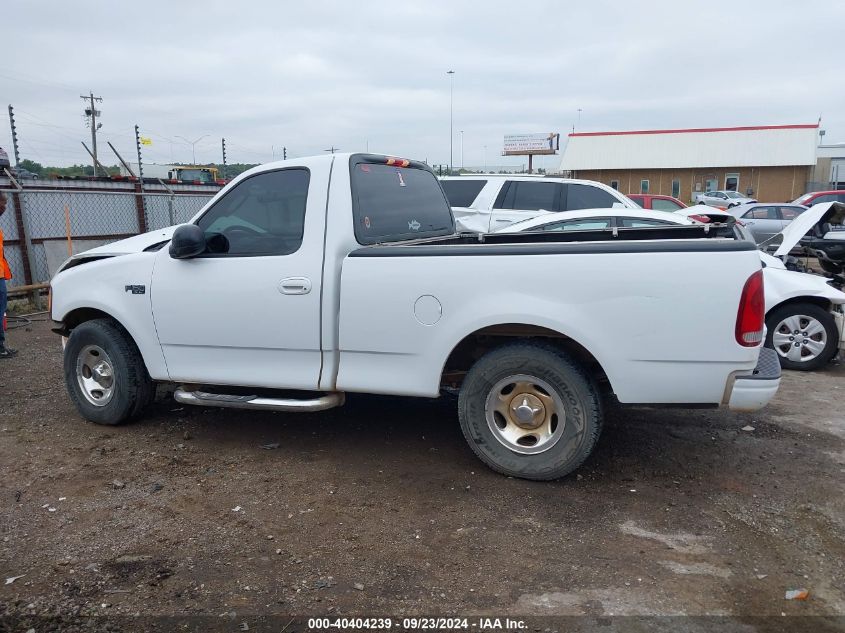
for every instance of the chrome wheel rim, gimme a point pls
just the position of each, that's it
(799, 338)
(525, 414)
(95, 375)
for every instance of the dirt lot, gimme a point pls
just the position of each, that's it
(380, 508)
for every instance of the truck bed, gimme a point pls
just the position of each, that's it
(694, 238)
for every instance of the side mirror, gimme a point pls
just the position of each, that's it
(188, 241)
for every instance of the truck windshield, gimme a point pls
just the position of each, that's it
(391, 203)
(203, 175)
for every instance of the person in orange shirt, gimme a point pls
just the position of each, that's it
(5, 273)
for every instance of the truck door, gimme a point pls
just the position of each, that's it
(247, 312)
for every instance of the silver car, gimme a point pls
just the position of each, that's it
(722, 198)
(765, 220)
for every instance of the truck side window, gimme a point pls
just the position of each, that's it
(262, 215)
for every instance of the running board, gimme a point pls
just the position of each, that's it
(202, 398)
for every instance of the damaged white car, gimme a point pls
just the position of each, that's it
(804, 313)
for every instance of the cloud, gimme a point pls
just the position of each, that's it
(311, 75)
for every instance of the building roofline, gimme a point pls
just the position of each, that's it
(701, 129)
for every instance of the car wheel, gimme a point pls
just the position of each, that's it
(105, 374)
(803, 334)
(528, 410)
(701, 202)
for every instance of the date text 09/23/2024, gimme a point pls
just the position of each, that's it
(418, 623)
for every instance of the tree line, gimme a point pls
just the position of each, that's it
(48, 171)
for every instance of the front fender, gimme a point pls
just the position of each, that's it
(120, 287)
(786, 285)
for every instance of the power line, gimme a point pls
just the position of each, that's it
(39, 82)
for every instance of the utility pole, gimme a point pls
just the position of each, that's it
(223, 143)
(140, 199)
(14, 135)
(285, 153)
(451, 74)
(332, 149)
(140, 164)
(193, 145)
(92, 112)
(462, 149)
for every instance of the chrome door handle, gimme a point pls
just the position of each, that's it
(295, 286)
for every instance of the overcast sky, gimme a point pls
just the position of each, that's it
(373, 74)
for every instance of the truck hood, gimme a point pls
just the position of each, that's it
(134, 244)
(826, 212)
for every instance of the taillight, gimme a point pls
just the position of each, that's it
(699, 218)
(752, 312)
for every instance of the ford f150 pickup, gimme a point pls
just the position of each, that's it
(306, 279)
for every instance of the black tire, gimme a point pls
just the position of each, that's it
(575, 391)
(701, 202)
(776, 316)
(131, 384)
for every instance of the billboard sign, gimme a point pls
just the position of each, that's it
(525, 144)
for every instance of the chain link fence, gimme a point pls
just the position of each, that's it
(43, 226)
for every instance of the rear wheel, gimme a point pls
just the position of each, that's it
(803, 334)
(105, 374)
(528, 410)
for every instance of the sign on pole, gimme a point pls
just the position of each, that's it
(528, 144)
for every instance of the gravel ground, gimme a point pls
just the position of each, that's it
(379, 508)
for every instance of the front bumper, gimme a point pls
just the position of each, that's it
(753, 391)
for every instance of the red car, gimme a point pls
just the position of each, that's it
(657, 203)
(817, 197)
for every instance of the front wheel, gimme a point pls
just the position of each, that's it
(528, 410)
(804, 335)
(105, 374)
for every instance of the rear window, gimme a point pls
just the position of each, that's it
(462, 193)
(391, 203)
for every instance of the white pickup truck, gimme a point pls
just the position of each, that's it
(305, 279)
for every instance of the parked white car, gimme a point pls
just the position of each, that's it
(487, 203)
(305, 279)
(726, 199)
(594, 219)
(804, 313)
